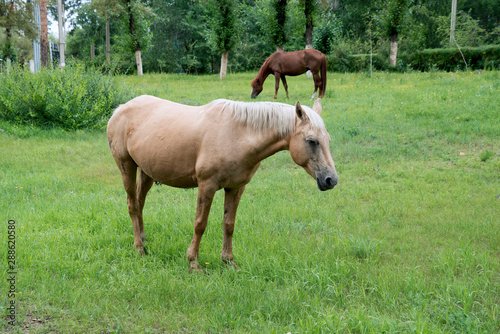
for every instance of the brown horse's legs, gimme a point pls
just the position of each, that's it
(145, 183)
(276, 84)
(205, 198)
(231, 201)
(317, 84)
(285, 85)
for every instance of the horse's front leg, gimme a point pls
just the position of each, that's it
(205, 198)
(231, 201)
(285, 85)
(276, 84)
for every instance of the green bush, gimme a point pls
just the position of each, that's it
(342, 62)
(74, 98)
(485, 57)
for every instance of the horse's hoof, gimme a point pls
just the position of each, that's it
(231, 263)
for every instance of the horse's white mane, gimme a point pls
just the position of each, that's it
(279, 117)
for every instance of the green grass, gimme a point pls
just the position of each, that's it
(409, 240)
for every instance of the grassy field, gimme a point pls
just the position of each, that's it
(409, 240)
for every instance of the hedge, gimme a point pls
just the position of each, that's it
(354, 63)
(479, 58)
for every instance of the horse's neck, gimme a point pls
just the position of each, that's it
(268, 144)
(264, 72)
(272, 148)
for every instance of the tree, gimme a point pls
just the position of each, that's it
(222, 33)
(16, 18)
(107, 9)
(392, 21)
(179, 41)
(130, 8)
(278, 32)
(309, 9)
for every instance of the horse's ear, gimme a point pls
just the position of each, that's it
(317, 106)
(301, 114)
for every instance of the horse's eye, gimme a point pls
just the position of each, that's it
(312, 142)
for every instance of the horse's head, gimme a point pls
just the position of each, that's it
(257, 86)
(310, 147)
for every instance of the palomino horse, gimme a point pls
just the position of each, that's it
(292, 63)
(216, 146)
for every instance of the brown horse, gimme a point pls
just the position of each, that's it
(216, 146)
(292, 63)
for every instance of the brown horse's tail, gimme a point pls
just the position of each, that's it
(323, 77)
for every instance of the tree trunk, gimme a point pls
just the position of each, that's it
(108, 48)
(44, 35)
(138, 61)
(8, 46)
(131, 21)
(223, 64)
(279, 48)
(394, 49)
(309, 35)
(92, 51)
(309, 44)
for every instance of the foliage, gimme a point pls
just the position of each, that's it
(222, 35)
(327, 32)
(179, 43)
(420, 29)
(467, 31)
(452, 59)
(278, 22)
(393, 15)
(407, 242)
(178, 38)
(16, 24)
(73, 98)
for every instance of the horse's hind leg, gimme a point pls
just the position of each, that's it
(231, 201)
(317, 84)
(128, 169)
(145, 183)
(276, 84)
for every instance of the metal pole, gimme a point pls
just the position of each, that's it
(36, 44)
(453, 18)
(62, 37)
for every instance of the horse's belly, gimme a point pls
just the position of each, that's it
(166, 161)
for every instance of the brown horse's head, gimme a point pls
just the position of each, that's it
(310, 146)
(257, 86)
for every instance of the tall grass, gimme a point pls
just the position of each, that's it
(409, 240)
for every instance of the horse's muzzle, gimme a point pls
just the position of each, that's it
(327, 182)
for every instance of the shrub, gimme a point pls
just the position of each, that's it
(73, 98)
(485, 57)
